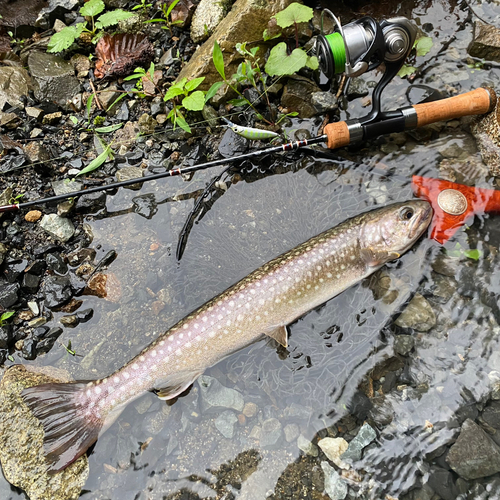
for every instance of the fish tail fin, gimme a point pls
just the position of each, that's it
(70, 427)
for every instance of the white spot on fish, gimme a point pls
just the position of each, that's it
(98, 390)
(126, 376)
(231, 303)
(135, 366)
(329, 275)
(178, 352)
(228, 322)
(89, 392)
(171, 338)
(116, 380)
(153, 353)
(211, 334)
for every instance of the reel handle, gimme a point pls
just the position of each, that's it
(475, 102)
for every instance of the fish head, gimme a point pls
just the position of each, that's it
(392, 230)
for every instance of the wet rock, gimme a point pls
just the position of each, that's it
(106, 286)
(14, 83)
(210, 115)
(33, 216)
(147, 124)
(56, 263)
(485, 42)
(225, 423)
(418, 314)
(215, 396)
(9, 294)
(5, 336)
(66, 186)
(126, 137)
(52, 118)
(335, 486)
(296, 410)
(30, 283)
(333, 448)
(91, 203)
(491, 414)
(56, 290)
(323, 101)
(29, 349)
(21, 444)
(81, 64)
(271, 433)
(474, 454)
(14, 268)
(441, 482)
(297, 96)
(403, 344)
(364, 437)
(54, 78)
(127, 173)
(154, 422)
(232, 144)
(33, 112)
(307, 447)
(291, 431)
(145, 205)
(58, 227)
(207, 16)
(246, 21)
(70, 321)
(357, 88)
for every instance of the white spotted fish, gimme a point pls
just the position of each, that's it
(265, 302)
(254, 134)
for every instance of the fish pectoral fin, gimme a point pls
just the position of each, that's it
(374, 258)
(278, 333)
(176, 384)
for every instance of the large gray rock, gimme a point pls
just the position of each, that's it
(207, 17)
(54, 78)
(486, 42)
(14, 83)
(246, 21)
(297, 96)
(21, 444)
(474, 453)
(363, 438)
(215, 396)
(418, 315)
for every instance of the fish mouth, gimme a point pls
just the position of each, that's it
(423, 217)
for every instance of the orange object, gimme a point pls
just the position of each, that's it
(453, 204)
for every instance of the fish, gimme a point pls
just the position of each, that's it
(263, 303)
(254, 134)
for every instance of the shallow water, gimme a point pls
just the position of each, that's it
(155, 451)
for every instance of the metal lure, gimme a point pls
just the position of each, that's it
(254, 134)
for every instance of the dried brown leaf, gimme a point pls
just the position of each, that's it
(119, 55)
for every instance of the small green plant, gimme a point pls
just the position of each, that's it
(167, 10)
(459, 251)
(140, 74)
(15, 199)
(280, 61)
(63, 40)
(143, 5)
(6, 316)
(422, 47)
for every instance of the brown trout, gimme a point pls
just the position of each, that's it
(265, 302)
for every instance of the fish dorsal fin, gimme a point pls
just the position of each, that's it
(375, 258)
(175, 384)
(278, 333)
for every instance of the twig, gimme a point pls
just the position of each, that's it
(99, 105)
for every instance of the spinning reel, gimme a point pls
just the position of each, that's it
(364, 45)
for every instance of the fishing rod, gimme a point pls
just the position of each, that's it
(337, 135)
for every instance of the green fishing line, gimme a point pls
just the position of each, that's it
(338, 51)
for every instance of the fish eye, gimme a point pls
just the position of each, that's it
(406, 213)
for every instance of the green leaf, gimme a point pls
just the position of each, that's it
(92, 8)
(406, 71)
(6, 315)
(171, 7)
(192, 84)
(238, 102)
(312, 62)
(63, 40)
(195, 101)
(94, 164)
(89, 104)
(218, 60)
(213, 90)
(266, 36)
(152, 71)
(116, 101)
(474, 254)
(294, 13)
(182, 123)
(135, 76)
(173, 92)
(292, 114)
(280, 63)
(74, 119)
(113, 17)
(423, 45)
(110, 128)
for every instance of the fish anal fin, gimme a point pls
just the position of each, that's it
(278, 333)
(375, 258)
(176, 384)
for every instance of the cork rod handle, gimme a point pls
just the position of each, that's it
(338, 135)
(475, 102)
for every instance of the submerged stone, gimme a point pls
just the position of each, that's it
(335, 487)
(215, 396)
(418, 315)
(333, 448)
(225, 423)
(21, 444)
(271, 433)
(364, 437)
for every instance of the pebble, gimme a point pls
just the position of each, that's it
(66, 186)
(9, 294)
(418, 315)
(335, 486)
(58, 227)
(51, 118)
(333, 448)
(271, 433)
(215, 396)
(34, 308)
(364, 437)
(33, 216)
(291, 431)
(127, 173)
(403, 344)
(255, 433)
(307, 447)
(250, 410)
(323, 101)
(225, 423)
